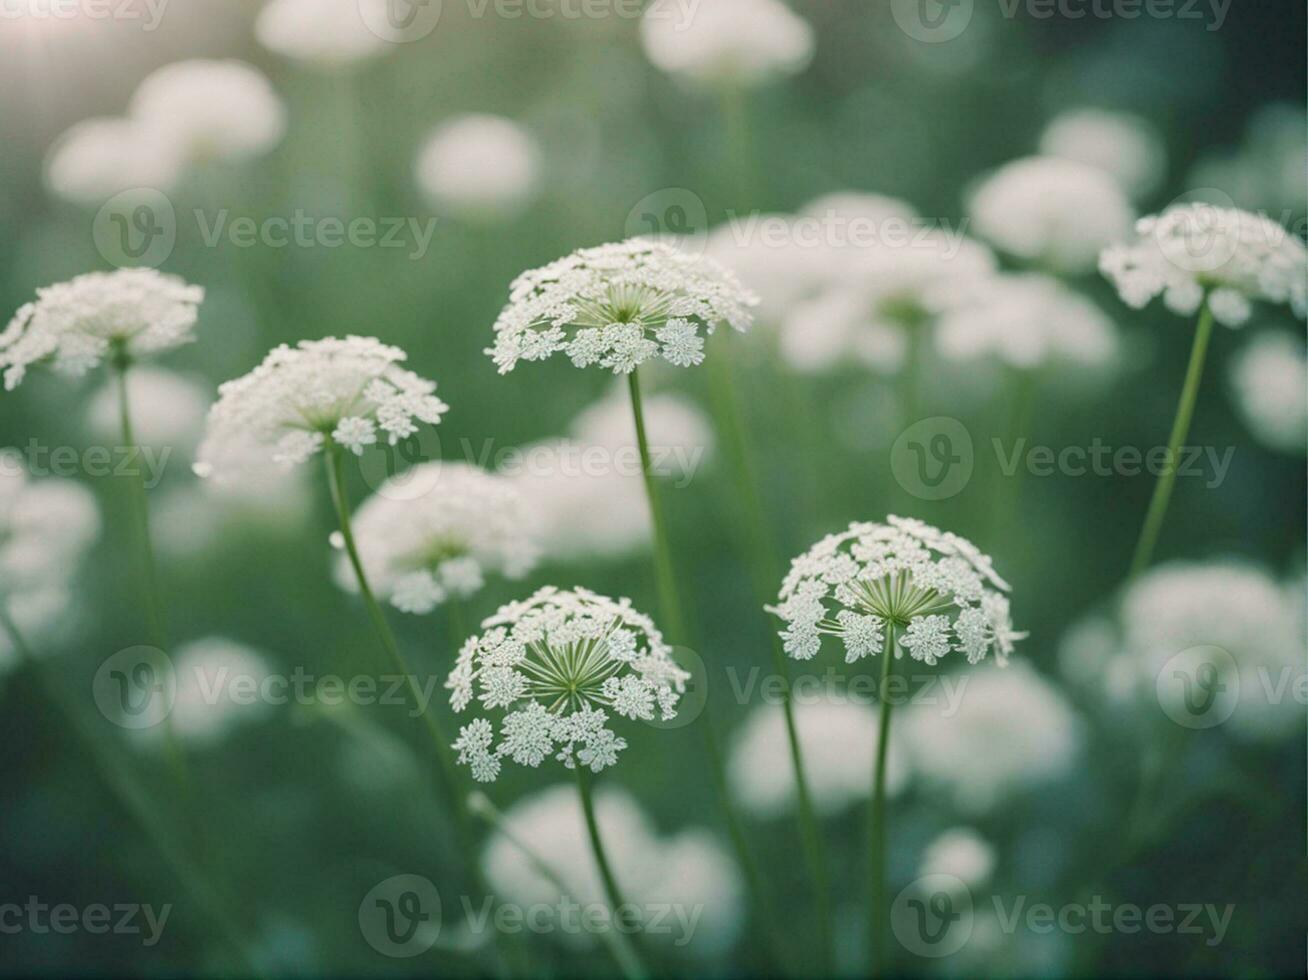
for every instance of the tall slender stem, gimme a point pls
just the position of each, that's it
(766, 575)
(1144, 548)
(877, 909)
(611, 889)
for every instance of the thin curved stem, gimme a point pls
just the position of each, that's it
(1144, 548)
(878, 907)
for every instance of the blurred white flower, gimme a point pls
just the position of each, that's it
(1269, 381)
(168, 408)
(326, 34)
(1195, 251)
(1026, 321)
(625, 303)
(557, 664)
(99, 158)
(348, 393)
(1124, 146)
(77, 324)
(212, 110)
(679, 432)
(218, 685)
(1012, 729)
(479, 167)
(839, 742)
(1054, 213)
(46, 525)
(1267, 171)
(200, 516)
(961, 853)
(726, 42)
(687, 871)
(779, 269)
(935, 589)
(436, 531)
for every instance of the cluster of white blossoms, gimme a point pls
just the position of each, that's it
(936, 589)
(1194, 252)
(345, 393)
(619, 305)
(1126, 147)
(77, 324)
(168, 408)
(557, 664)
(479, 167)
(215, 676)
(435, 531)
(708, 46)
(1269, 380)
(331, 35)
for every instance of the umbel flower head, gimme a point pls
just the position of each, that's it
(617, 306)
(557, 664)
(435, 531)
(937, 590)
(302, 399)
(1197, 251)
(77, 324)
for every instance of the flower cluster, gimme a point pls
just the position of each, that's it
(300, 398)
(435, 531)
(77, 324)
(479, 167)
(708, 47)
(934, 588)
(1197, 251)
(1269, 381)
(617, 306)
(559, 662)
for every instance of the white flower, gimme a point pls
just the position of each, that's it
(935, 588)
(218, 685)
(99, 158)
(224, 110)
(479, 167)
(688, 869)
(781, 269)
(1011, 729)
(615, 299)
(77, 324)
(1055, 213)
(726, 42)
(327, 34)
(1232, 256)
(548, 660)
(1269, 382)
(46, 526)
(437, 530)
(839, 742)
(1124, 146)
(351, 392)
(961, 853)
(168, 408)
(1026, 321)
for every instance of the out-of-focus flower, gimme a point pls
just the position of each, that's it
(739, 43)
(346, 393)
(558, 663)
(77, 324)
(98, 158)
(168, 408)
(1055, 213)
(327, 34)
(679, 432)
(1026, 321)
(934, 589)
(1012, 729)
(436, 531)
(1195, 251)
(1124, 146)
(1269, 380)
(961, 853)
(1234, 628)
(479, 167)
(687, 870)
(839, 742)
(1267, 171)
(623, 303)
(778, 267)
(218, 681)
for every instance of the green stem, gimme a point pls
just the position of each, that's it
(1023, 383)
(1144, 549)
(877, 934)
(740, 161)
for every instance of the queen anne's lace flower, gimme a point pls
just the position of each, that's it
(168, 408)
(1269, 380)
(350, 393)
(936, 589)
(436, 531)
(617, 306)
(1196, 251)
(479, 167)
(560, 662)
(77, 324)
(1124, 146)
(710, 46)
(327, 34)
